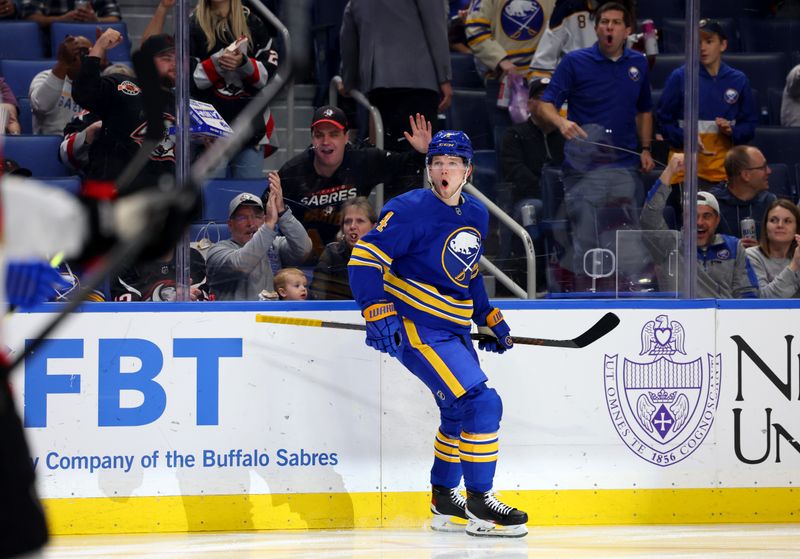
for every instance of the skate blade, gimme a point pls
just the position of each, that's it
(446, 523)
(483, 529)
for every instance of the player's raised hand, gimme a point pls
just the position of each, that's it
(421, 133)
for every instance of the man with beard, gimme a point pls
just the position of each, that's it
(117, 100)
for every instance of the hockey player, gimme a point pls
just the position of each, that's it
(415, 275)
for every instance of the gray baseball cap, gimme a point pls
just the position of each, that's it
(244, 198)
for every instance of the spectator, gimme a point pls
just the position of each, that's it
(8, 10)
(776, 259)
(50, 92)
(45, 12)
(239, 268)
(790, 102)
(528, 146)
(291, 284)
(156, 280)
(116, 99)
(726, 112)
(81, 131)
(396, 51)
(747, 192)
(723, 270)
(569, 28)
(8, 103)
(608, 92)
(505, 35)
(229, 78)
(456, 18)
(331, 171)
(331, 280)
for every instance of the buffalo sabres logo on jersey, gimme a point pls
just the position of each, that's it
(460, 254)
(731, 96)
(522, 20)
(634, 74)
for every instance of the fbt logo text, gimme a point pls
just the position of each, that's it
(113, 380)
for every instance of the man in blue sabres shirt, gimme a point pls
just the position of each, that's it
(607, 90)
(416, 278)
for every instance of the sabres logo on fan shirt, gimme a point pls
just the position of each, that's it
(731, 96)
(460, 254)
(522, 20)
(634, 74)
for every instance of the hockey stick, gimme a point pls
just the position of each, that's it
(599, 329)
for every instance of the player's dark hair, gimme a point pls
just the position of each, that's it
(609, 6)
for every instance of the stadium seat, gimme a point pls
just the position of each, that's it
(464, 73)
(769, 35)
(659, 10)
(215, 232)
(19, 73)
(485, 158)
(673, 36)
(59, 30)
(764, 69)
(774, 100)
(719, 9)
(25, 115)
(37, 153)
(20, 40)
(469, 113)
(71, 184)
(484, 179)
(782, 182)
(218, 193)
(665, 64)
(778, 143)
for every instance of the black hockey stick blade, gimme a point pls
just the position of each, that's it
(599, 329)
(602, 327)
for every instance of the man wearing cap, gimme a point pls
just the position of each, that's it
(747, 192)
(726, 111)
(331, 171)
(528, 146)
(723, 271)
(239, 268)
(118, 101)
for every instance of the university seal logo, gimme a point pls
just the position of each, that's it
(662, 403)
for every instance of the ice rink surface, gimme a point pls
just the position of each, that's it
(711, 541)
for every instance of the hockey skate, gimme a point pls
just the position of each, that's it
(489, 517)
(448, 508)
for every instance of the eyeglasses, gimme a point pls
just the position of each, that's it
(759, 168)
(256, 216)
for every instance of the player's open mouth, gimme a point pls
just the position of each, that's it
(445, 183)
(609, 39)
(326, 150)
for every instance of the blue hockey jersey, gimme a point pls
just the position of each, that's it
(423, 255)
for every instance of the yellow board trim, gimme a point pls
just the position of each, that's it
(406, 510)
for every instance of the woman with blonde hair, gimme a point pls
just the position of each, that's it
(331, 280)
(231, 60)
(776, 259)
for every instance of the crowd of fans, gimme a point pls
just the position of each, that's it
(589, 112)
